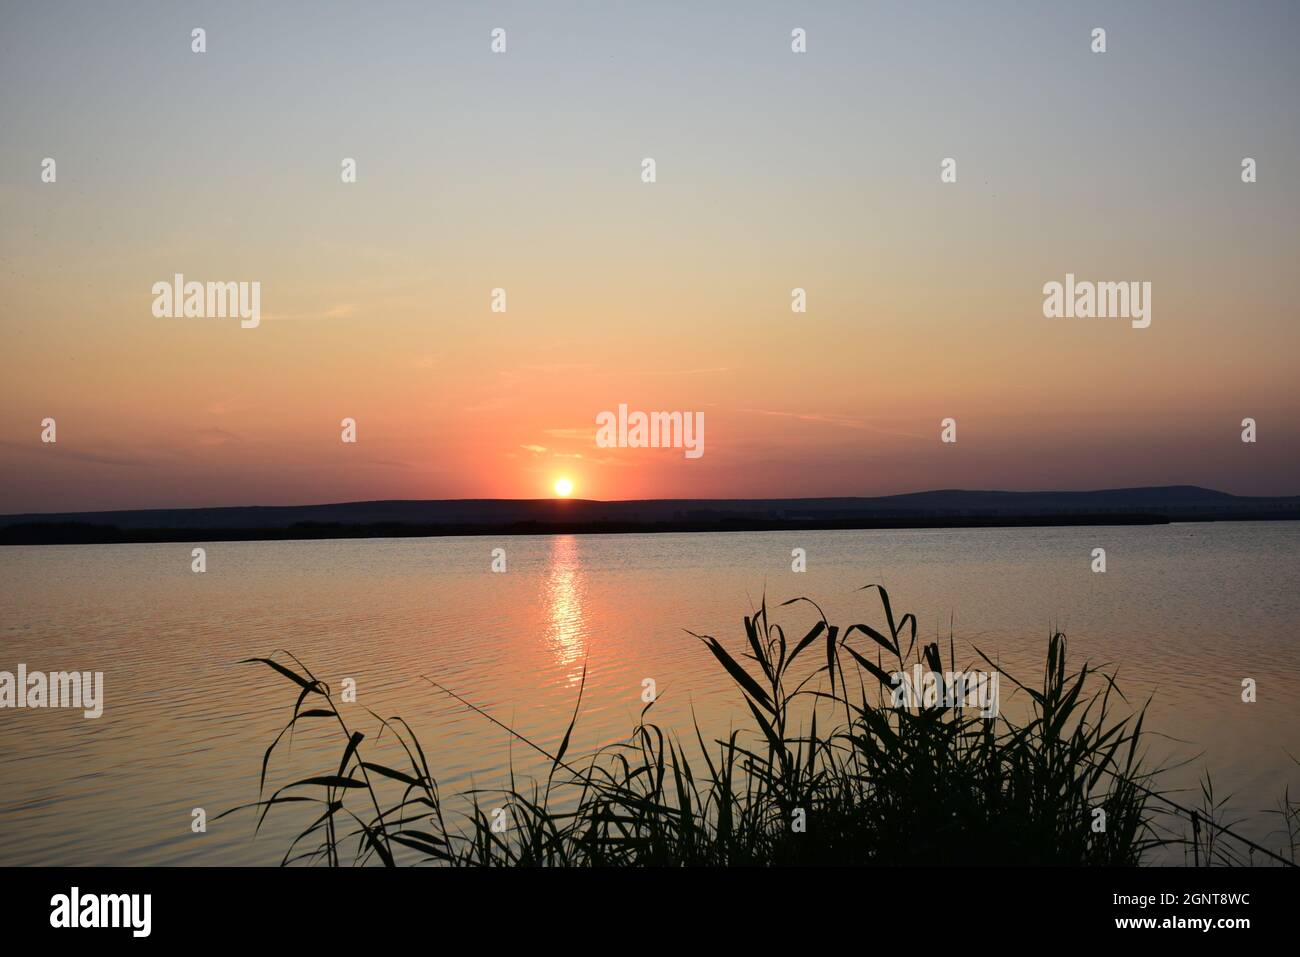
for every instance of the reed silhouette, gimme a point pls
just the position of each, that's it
(867, 782)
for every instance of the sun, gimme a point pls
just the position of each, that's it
(563, 488)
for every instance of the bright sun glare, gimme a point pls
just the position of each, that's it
(563, 487)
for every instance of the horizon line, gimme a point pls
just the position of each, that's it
(558, 499)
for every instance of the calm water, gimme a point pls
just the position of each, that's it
(1184, 611)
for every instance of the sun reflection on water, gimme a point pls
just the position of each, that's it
(563, 595)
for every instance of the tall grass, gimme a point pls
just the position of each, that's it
(829, 773)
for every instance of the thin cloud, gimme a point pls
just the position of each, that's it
(215, 436)
(832, 418)
(64, 451)
(341, 311)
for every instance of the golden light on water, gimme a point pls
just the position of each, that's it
(563, 597)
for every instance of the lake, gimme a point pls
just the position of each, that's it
(1183, 611)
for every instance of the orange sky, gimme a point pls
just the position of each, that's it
(924, 299)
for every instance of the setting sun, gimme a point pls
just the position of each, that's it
(563, 487)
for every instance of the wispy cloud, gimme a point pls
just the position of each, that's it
(80, 455)
(215, 436)
(341, 311)
(587, 433)
(227, 406)
(833, 418)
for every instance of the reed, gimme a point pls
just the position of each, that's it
(866, 783)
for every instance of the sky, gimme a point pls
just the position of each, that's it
(522, 171)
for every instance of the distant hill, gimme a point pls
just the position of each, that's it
(939, 508)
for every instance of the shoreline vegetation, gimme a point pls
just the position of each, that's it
(397, 519)
(830, 772)
(82, 533)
